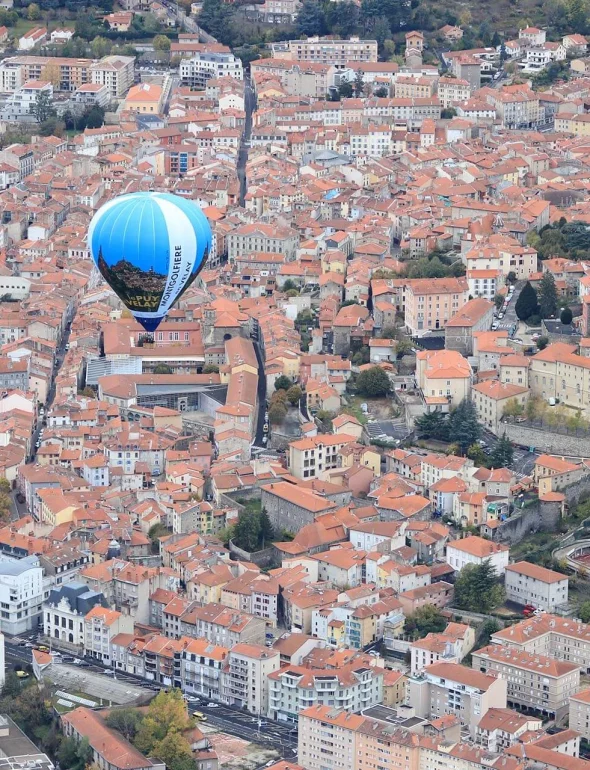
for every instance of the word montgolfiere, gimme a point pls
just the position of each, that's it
(149, 247)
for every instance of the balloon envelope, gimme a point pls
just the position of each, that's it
(149, 248)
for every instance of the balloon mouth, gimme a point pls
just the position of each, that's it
(149, 324)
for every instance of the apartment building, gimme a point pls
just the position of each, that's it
(476, 550)
(579, 713)
(551, 635)
(328, 738)
(222, 626)
(20, 104)
(490, 398)
(200, 667)
(207, 65)
(528, 583)
(326, 50)
(429, 304)
(451, 90)
(101, 625)
(63, 73)
(501, 728)
(450, 646)
(517, 106)
(65, 609)
(533, 681)
(449, 688)
(21, 594)
(353, 687)
(246, 682)
(260, 237)
(115, 72)
(557, 372)
(310, 457)
(554, 473)
(444, 377)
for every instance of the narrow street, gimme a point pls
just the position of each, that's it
(249, 106)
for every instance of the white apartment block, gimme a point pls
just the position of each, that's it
(533, 681)
(101, 625)
(115, 72)
(527, 583)
(21, 594)
(201, 666)
(246, 678)
(579, 713)
(476, 550)
(202, 67)
(326, 50)
(20, 105)
(449, 688)
(551, 635)
(353, 687)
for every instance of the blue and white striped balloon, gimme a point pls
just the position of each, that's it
(149, 248)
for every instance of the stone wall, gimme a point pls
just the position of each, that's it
(264, 559)
(542, 516)
(547, 441)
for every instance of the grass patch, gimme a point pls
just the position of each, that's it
(251, 505)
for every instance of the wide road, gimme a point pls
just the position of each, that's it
(125, 688)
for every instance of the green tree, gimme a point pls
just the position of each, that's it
(156, 531)
(94, 118)
(403, 347)
(283, 383)
(464, 426)
(162, 43)
(547, 296)
(210, 369)
(325, 417)
(498, 301)
(432, 425)
(33, 12)
(162, 369)
(74, 755)
(542, 342)
(310, 20)
(489, 627)
(277, 413)
(12, 685)
(100, 47)
(175, 751)
(373, 382)
(511, 277)
(359, 83)
(342, 18)
(448, 112)
(166, 713)
(247, 531)
(566, 316)
(513, 408)
(267, 531)
(126, 721)
(290, 284)
(294, 394)
(503, 453)
(42, 107)
(476, 453)
(584, 612)
(477, 588)
(425, 620)
(526, 304)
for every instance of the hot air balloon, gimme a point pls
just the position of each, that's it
(149, 248)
